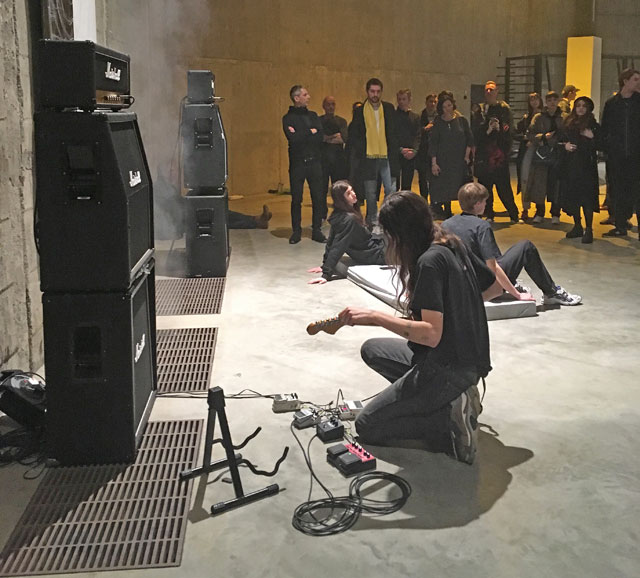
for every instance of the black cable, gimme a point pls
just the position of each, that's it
(332, 515)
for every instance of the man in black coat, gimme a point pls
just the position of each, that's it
(304, 133)
(408, 129)
(374, 143)
(621, 131)
(493, 137)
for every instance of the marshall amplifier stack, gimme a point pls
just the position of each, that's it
(205, 172)
(95, 234)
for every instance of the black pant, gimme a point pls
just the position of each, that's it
(424, 172)
(501, 178)
(311, 171)
(524, 255)
(624, 178)
(407, 168)
(241, 221)
(334, 168)
(416, 404)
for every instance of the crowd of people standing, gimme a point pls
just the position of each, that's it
(383, 146)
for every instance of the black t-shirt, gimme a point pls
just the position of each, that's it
(476, 234)
(452, 284)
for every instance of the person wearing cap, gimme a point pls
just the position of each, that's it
(569, 93)
(542, 182)
(492, 132)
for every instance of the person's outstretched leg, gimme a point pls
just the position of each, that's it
(524, 255)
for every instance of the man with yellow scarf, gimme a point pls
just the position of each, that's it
(375, 143)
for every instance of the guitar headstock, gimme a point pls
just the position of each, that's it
(329, 326)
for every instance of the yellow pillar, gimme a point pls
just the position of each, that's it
(584, 61)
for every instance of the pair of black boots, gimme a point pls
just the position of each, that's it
(316, 235)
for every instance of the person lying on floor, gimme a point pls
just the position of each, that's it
(444, 350)
(478, 236)
(348, 234)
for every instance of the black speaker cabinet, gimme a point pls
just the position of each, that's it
(93, 199)
(207, 236)
(100, 363)
(204, 148)
(200, 86)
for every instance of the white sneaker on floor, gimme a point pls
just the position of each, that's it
(555, 220)
(561, 297)
(537, 219)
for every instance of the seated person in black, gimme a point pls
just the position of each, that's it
(444, 352)
(348, 235)
(478, 236)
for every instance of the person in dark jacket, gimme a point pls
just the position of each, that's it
(621, 134)
(580, 184)
(423, 162)
(334, 161)
(492, 137)
(542, 181)
(525, 151)
(304, 133)
(408, 129)
(373, 142)
(450, 146)
(348, 235)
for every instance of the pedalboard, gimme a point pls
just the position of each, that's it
(330, 430)
(349, 410)
(283, 402)
(350, 459)
(305, 418)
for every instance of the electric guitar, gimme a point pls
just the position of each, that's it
(329, 326)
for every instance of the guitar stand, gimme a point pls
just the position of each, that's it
(215, 400)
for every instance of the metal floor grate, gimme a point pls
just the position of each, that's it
(185, 358)
(196, 296)
(111, 517)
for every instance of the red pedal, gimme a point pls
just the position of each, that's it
(350, 459)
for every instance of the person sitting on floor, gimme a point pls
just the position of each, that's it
(444, 352)
(348, 235)
(478, 236)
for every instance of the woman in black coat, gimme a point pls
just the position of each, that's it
(580, 186)
(348, 235)
(450, 144)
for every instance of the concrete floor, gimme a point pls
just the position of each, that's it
(554, 491)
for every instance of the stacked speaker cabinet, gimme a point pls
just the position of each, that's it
(95, 235)
(205, 172)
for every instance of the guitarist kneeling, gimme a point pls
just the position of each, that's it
(435, 368)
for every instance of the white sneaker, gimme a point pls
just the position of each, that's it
(537, 219)
(561, 297)
(555, 220)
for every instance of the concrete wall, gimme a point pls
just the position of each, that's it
(258, 50)
(20, 304)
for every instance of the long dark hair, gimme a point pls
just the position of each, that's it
(578, 123)
(408, 223)
(340, 204)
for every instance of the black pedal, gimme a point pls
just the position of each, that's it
(330, 430)
(350, 459)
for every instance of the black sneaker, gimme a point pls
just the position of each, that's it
(587, 238)
(318, 237)
(575, 232)
(295, 238)
(615, 233)
(464, 426)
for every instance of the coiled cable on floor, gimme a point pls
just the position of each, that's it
(333, 515)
